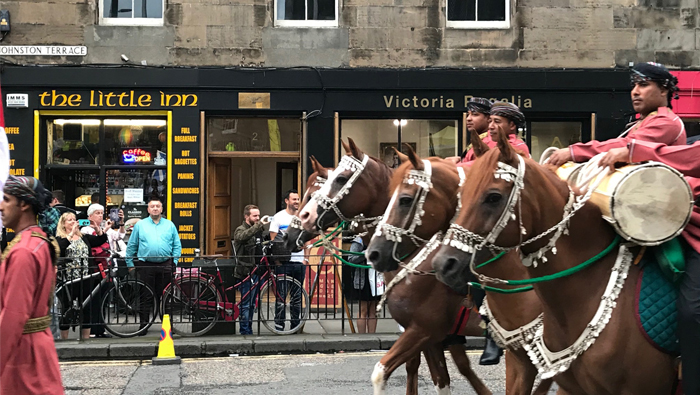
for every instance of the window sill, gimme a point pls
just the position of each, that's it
(306, 24)
(481, 25)
(131, 22)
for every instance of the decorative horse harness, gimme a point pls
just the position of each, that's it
(531, 336)
(348, 162)
(423, 180)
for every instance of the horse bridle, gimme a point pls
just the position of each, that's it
(470, 242)
(423, 180)
(348, 162)
(296, 221)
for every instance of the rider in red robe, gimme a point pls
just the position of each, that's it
(479, 121)
(684, 159)
(28, 359)
(653, 89)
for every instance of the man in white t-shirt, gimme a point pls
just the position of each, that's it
(294, 267)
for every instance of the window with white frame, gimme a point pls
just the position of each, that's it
(132, 12)
(306, 13)
(478, 14)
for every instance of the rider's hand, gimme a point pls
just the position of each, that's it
(265, 219)
(615, 155)
(559, 157)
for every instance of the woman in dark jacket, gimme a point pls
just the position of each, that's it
(75, 249)
(361, 289)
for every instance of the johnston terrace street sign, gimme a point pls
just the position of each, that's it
(43, 50)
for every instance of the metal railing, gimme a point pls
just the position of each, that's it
(204, 295)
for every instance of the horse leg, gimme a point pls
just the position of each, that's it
(412, 375)
(459, 355)
(435, 356)
(520, 376)
(408, 345)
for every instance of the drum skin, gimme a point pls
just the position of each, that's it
(648, 203)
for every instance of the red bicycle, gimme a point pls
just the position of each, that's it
(197, 300)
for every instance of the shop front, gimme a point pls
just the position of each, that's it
(208, 142)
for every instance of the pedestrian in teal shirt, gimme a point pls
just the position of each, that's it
(155, 244)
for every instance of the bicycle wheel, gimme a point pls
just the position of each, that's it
(129, 308)
(281, 302)
(193, 304)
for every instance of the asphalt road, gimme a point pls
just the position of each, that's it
(315, 374)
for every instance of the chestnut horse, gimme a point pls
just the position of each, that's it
(514, 203)
(410, 309)
(404, 229)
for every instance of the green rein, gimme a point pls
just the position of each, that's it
(546, 278)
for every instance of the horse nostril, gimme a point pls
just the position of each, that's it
(304, 216)
(450, 265)
(374, 256)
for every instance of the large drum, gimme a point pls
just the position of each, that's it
(569, 172)
(646, 203)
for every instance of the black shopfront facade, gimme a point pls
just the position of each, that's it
(208, 141)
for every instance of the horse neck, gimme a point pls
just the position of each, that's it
(588, 235)
(380, 174)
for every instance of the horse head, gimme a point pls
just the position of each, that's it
(355, 192)
(423, 203)
(497, 213)
(296, 236)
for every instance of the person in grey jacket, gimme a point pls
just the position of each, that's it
(246, 242)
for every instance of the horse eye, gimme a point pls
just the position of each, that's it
(493, 198)
(405, 201)
(341, 180)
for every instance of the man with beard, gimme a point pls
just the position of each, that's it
(28, 359)
(247, 240)
(294, 267)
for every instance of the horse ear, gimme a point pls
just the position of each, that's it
(402, 157)
(414, 158)
(478, 145)
(346, 147)
(355, 150)
(314, 163)
(508, 154)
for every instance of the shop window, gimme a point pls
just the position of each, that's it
(478, 14)
(119, 163)
(132, 12)
(378, 137)
(135, 141)
(254, 134)
(306, 13)
(553, 134)
(73, 141)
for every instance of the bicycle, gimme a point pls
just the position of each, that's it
(121, 307)
(196, 302)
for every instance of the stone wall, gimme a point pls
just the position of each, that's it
(372, 33)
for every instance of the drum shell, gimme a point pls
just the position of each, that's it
(569, 172)
(647, 204)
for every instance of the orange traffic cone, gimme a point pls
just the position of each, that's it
(166, 347)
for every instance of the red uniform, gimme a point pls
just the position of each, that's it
(28, 362)
(518, 144)
(661, 126)
(686, 159)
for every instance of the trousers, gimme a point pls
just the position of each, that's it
(689, 322)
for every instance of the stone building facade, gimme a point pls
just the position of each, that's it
(365, 33)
